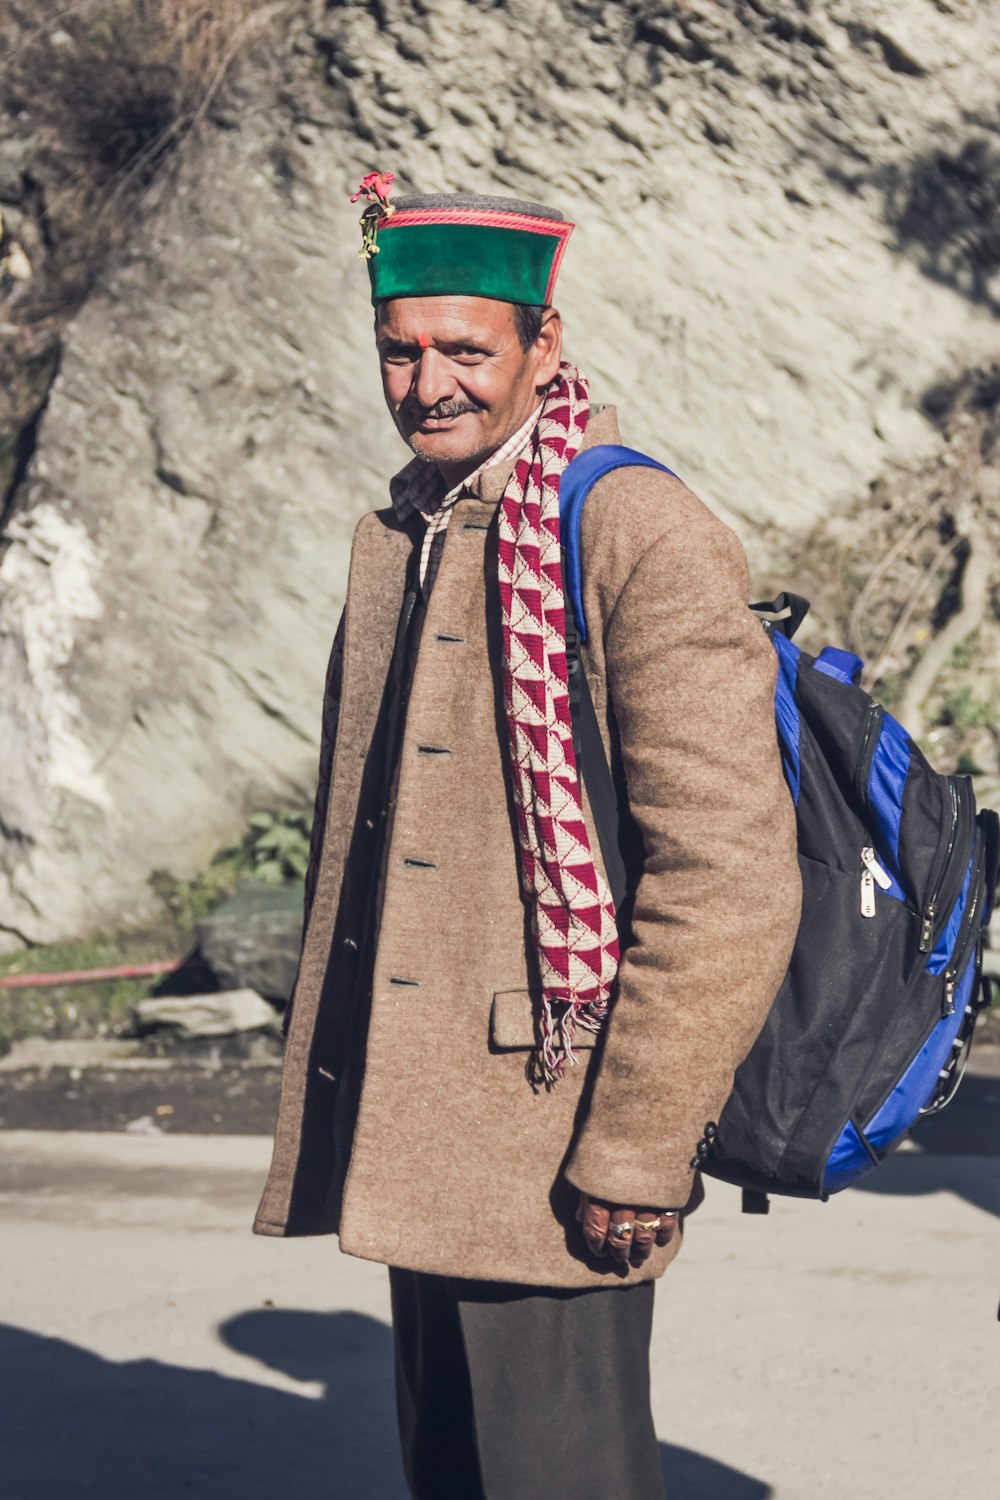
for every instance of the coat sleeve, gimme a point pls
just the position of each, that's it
(328, 739)
(690, 677)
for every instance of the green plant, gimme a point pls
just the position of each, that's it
(964, 654)
(964, 711)
(188, 901)
(279, 846)
(274, 849)
(98, 1008)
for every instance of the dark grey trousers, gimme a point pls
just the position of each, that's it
(521, 1393)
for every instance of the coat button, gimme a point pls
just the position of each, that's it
(711, 1130)
(694, 1163)
(702, 1149)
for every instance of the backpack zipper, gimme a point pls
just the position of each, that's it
(872, 875)
(866, 751)
(871, 870)
(930, 911)
(959, 955)
(874, 1063)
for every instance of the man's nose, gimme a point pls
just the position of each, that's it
(434, 381)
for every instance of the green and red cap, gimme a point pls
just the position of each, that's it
(460, 245)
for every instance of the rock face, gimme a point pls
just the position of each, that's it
(747, 281)
(195, 1017)
(252, 940)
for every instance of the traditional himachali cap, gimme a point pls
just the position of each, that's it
(460, 244)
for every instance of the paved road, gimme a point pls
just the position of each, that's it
(151, 1348)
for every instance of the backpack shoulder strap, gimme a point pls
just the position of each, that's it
(578, 480)
(592, 764)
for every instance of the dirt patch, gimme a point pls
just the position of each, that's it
(241, 1099)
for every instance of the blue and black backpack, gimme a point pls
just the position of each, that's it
(874, 1018)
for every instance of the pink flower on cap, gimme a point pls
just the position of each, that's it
(376, 187)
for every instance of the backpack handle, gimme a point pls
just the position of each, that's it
(785, 612)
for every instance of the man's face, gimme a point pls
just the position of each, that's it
(455, 377)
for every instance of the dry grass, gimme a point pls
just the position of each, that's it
(141, 77)
(109, 90)
(116, 85)
(910, 582)
(99, 97)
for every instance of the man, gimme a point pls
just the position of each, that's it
(476, 1092)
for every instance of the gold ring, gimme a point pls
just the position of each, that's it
(647, 1224)
(620, 1231)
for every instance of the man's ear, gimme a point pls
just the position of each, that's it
(548, 347)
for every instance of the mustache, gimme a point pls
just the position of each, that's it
(414, 411)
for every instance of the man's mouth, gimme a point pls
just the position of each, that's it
(439, 424)
(437, 421)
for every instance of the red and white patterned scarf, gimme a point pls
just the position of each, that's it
(573, 914)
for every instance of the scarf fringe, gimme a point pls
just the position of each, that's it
(559, 1031)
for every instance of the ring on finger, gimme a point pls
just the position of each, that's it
(651, 1225)
(620, 1231)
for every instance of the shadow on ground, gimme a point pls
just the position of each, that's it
(970, 1126)
(76, 1424)
(959, 1151)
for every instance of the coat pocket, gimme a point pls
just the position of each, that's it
(514, 1024)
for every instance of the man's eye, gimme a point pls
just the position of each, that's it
(400, 356)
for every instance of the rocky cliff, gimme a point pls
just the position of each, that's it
(786, 239)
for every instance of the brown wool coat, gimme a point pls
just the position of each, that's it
(457, 1164)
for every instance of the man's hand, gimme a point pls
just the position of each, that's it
(628, 1234)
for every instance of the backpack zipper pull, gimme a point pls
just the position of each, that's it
(948, 1005)
(880, 876)
(927, 928)
(872, 873)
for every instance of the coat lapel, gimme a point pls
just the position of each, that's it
(375, 595)
(301, 1167)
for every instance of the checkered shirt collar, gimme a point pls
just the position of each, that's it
(418, 488)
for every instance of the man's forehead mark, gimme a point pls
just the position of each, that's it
(423, 339)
